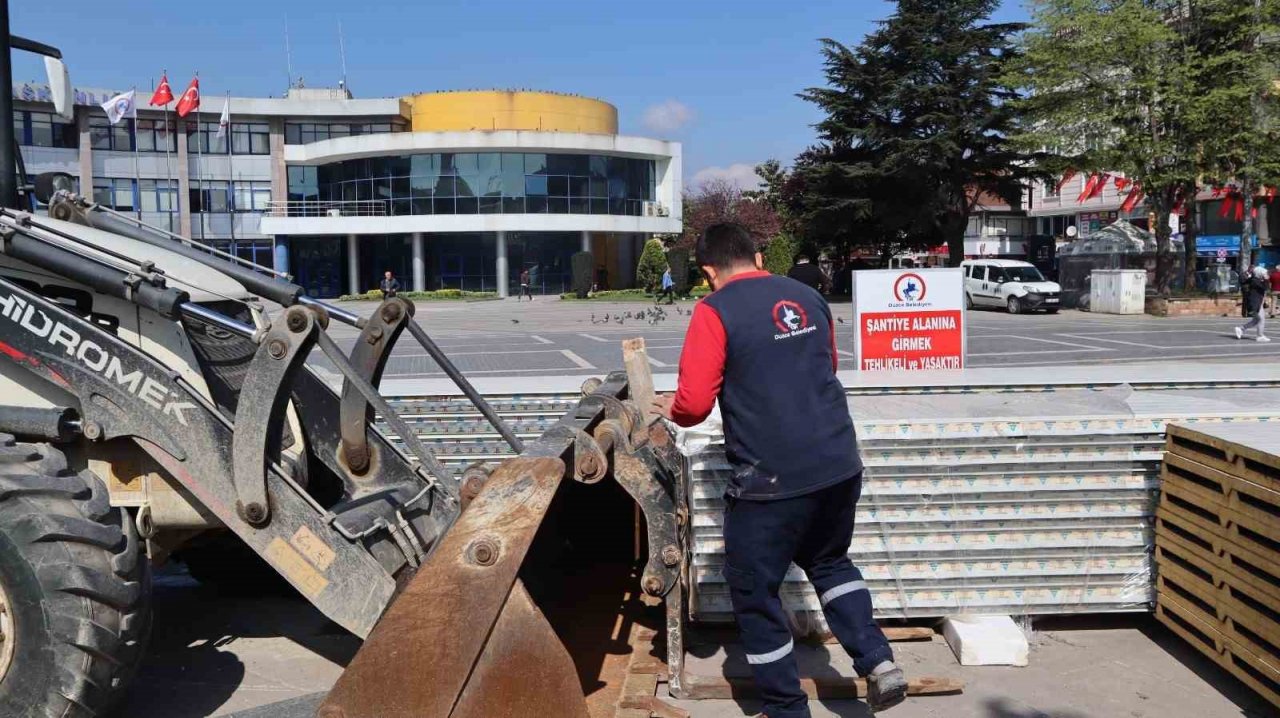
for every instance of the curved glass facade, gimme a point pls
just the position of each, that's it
(482, 183)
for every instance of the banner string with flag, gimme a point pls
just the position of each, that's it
(162, 96)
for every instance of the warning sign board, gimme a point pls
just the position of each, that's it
(909, 319)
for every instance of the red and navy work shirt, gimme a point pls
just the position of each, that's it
(764, 345)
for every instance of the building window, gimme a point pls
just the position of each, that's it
(210, 196)
(43, 129)
(158, 195)
(250, 138)
(105, 136)
(483, 183)
(116, 193)
(301, 133)
(202, 138)
(251, 196)
(1051, 190)
(156, 136)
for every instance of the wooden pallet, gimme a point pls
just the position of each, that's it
(648, 670)
(1233, 611)
(1187, 543)
(1215, 487)
(1249, 451)
(1191, 626)
(1243, 529)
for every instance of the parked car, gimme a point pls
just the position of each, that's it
(1016, 286)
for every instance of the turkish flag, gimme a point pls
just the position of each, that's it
(1066, 177)
(1097, 189)
(163, 95)
(1228, 204)
(1122, 183)
(190, 99)
(1131, 202)
(1088, 188)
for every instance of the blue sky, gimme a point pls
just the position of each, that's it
(718, 75)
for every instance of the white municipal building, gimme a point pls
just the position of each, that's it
(446, 190)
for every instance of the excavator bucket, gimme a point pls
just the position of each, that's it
(464, 638)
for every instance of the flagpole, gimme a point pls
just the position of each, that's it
(170, 137)
(137, 177)
(231, 169)
(201, 137)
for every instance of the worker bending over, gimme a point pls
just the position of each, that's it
(764, 345)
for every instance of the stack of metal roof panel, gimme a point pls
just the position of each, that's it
(983, 493)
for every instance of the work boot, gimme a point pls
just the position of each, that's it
(886, 687)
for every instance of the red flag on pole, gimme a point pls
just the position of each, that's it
(190, 100)
(1088, 188)
(1122, 183)
(1066, 177)
(1227, 204)
(1239, 210)
(163, 95)
(1097, 188)
(1130, 202)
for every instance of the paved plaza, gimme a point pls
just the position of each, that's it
(553, 337)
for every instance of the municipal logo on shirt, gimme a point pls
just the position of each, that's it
(791, 319)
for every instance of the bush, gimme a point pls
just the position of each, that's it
(780, 254)
(678, 260)
(438, 294)
(653, 262)
(584, 265)
(608, 294)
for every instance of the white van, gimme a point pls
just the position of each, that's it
(1016, 286)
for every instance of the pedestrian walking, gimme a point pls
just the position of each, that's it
(525, 290)
(389, 285)
(764, 346)
(1275, 292)
(668, 288)
(1255, 293)
(809, 274)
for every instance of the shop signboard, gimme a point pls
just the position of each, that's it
(909, 319)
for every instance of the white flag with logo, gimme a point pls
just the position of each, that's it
(120, 107)
(225, 121)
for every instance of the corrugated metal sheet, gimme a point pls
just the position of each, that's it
(1021, 498)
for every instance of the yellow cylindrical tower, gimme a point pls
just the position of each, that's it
(468, 110)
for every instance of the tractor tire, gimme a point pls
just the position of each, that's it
(75, 588)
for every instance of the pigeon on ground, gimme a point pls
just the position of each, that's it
(840, 319)
(515, 321)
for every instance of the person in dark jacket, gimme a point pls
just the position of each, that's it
(764, 347)
(809, 274)
(1255, 293)
(389, 285)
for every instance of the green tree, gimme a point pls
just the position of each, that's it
(779, 254)
(653, 262)
(1233, 56)
(916, 129)
(1111, 83)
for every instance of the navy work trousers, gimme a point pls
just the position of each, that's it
(762, 539)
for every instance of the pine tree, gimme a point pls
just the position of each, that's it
(653, 262)
(916, 130)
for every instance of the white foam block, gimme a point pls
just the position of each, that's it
(986, 640)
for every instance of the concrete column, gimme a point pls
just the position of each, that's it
(353, 264)
(586, 241)
(501, 265)
(419, 263)
(275, 144)
(280, 256)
